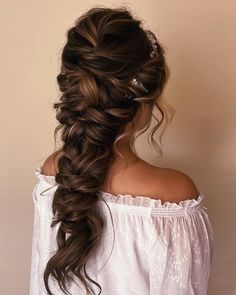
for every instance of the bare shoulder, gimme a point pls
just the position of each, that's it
(176, 185)
(49, 166)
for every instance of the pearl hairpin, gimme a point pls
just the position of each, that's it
(153, 42)
(136, 82)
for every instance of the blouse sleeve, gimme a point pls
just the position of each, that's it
(181, 256)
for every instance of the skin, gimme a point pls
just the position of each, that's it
(139, 177)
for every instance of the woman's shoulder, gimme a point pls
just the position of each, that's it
(172, 185)
(49, 167)
(167, 184)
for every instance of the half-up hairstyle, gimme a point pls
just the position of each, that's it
(105, 51)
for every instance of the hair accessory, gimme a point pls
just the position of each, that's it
(153, 42)
(136, 82)
(128, 96)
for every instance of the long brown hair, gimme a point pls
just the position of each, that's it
(104, 50)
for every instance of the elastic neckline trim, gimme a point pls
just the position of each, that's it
(129, 199)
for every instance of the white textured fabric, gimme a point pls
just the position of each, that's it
(159, 249)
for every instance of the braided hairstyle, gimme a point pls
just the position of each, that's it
(105, 49)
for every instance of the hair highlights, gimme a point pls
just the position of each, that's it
(105, 49)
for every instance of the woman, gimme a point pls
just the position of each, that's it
(106, 221)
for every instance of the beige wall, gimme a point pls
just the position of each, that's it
(200, 38)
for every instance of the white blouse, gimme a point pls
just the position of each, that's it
(159, 249)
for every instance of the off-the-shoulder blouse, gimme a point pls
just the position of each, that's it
(155, 249)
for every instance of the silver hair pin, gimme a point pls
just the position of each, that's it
(153, 42)
(136, 82)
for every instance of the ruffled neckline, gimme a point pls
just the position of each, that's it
(129, 199)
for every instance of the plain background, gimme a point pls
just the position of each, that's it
(200, 41)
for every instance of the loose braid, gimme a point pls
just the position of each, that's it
(104, 50)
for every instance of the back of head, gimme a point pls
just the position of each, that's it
(110, 66)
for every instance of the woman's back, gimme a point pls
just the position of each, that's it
(140, 178)
(157, 247)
